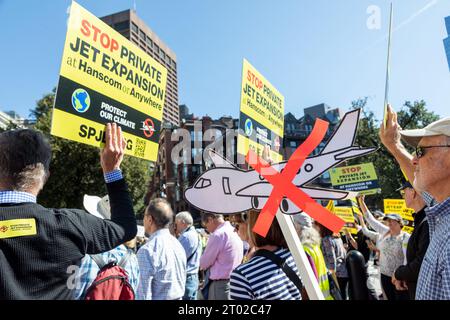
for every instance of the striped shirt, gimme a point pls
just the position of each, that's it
(261, 279)
(434, 276)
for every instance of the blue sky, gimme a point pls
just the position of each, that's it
(311, 51)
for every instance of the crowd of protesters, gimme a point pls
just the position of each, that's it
(71, 254)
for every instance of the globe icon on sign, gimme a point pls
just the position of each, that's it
(248, 127)
(81, 100)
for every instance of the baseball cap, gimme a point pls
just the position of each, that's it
(405, 184)
(437, 128)
(393, 216)
(378, 214)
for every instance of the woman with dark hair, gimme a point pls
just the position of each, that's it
(262, 277)
(334, 253)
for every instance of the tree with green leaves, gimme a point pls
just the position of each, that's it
(75, 168)
(410, 116)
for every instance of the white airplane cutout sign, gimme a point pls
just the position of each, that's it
(226, 189)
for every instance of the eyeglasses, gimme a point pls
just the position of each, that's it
(420, 150)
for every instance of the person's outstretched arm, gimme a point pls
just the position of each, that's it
(390, 137)
(371, 220)
(103, 235)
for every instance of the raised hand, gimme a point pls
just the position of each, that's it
(390, 135)
(111, 155)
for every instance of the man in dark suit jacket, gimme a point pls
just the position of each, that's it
(39, 246)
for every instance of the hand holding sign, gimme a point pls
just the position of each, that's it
(390, 133)
(111, 155)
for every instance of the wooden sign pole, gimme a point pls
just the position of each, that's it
(299, 255)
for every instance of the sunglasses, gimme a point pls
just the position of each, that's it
(420, 150)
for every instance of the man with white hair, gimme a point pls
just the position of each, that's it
(429, 169)
(190, 241)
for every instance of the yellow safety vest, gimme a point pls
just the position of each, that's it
(316, 254)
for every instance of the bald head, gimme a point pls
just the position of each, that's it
(161, 213)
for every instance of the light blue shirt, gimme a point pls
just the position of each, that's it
(162, 264)
(16, 197)
(191, 243)
(434, 276)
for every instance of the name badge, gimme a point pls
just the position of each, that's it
(17, 228)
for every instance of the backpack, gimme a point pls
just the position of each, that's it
(111, 282)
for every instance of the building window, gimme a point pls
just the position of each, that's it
(149, 42)
(293, 144)
(174, 64)
(134, 27)
(155, 46)
(142, 35)
(120, 26)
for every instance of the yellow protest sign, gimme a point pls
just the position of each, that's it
(346, 214)
(261, 120)
(361, 178)
(355, 207)
(106, 78)
(399, 206)
(17, 228)
(330, 205)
